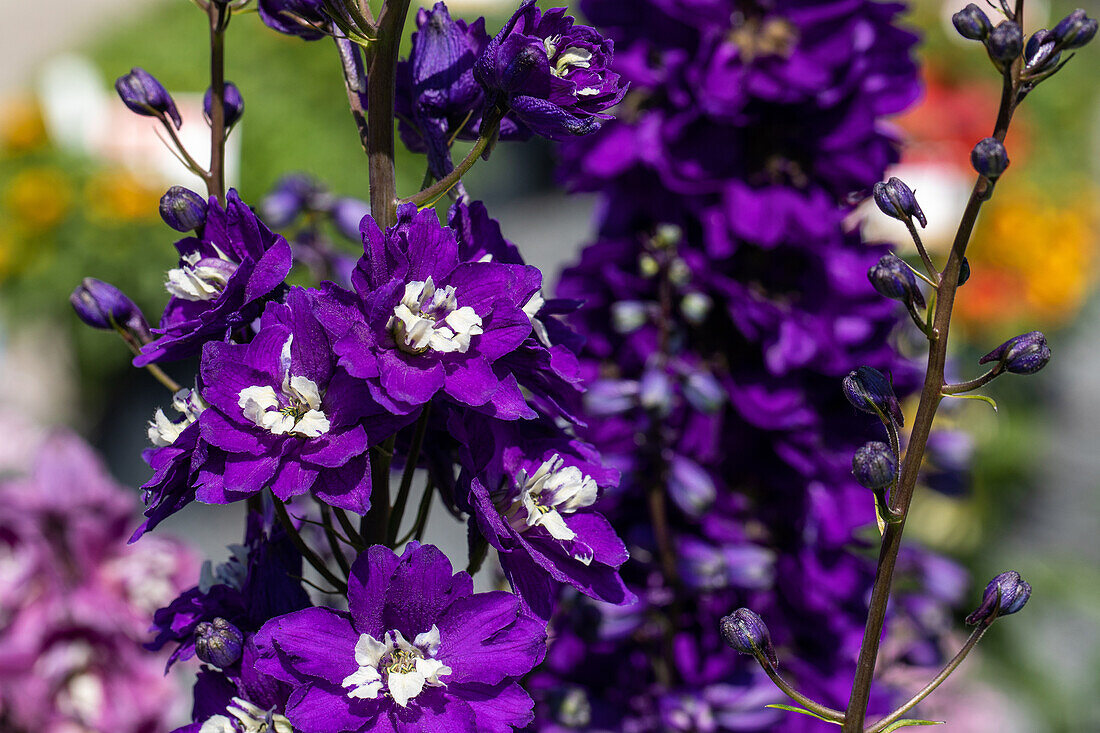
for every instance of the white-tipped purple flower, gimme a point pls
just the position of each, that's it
(746, 632)
(896, 199)
(102, 305)
(233, 105)
(1041, 54)
(1023, 354)
(989, 157)
(1005, 43)
(1005, 595)
(972, 23)
(183, 209)
(218, 642)
(893, 279)
(870, 391)
(1075, 30)
(144, 95)
(874, 466)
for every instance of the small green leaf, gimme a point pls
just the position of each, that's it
(982, 397)
(795, 709)
(911, 721)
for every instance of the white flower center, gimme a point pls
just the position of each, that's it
(246, 718)
(396, 666)
(531, 309)
(296, 411)
(553, 490)
(200, 278)
(427, 318)
(163, 430)
(570, 58)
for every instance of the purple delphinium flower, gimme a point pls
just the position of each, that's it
(417, 650)
(303, 18)
(533, 502)
(554, 76)
(223, 279)
(422, 321)
(438, 99)
(285, 416)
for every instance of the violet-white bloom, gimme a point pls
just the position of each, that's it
(285, 415)
(417, 650)
(553, 76)
(426, 322)
(221, 283)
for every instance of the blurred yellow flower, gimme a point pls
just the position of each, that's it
(21, 125)
(1032, 257)
(118, 196)
(38, 198)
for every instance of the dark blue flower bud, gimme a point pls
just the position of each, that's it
(234, 104)
(972, 23)
(218, 643)
(874, 466)
(1075, 30)
(1005, 595)
(896, 199)
(182, 209)
(1039, 53)
(143, 94)
(989, 157)
(893, 279)
(745, 632)
(102, 305)
(1005, 43)
(1023, 354)
(964, 271)
(303, 18)
(867, 388)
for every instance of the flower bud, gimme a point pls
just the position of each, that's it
(182, 209)
(1005, 43)
(1023, 354)
(989, 157)
(102, 305)
(874, 466)
(972, 23)
(1005, 595)
(1040, 52)
(896, 199)
(745, 632)
(867, 389)
(893, 279)
(233, 106)
(218, 643)
(144, 95)
(1075, 30)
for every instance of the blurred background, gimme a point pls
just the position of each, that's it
(80, 179)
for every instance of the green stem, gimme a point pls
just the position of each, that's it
(215, 178)
(398, 511)
(973, 384)
(307, 553)
(374, 526)
(333, 541)
(798, 697)
(349, 530)
(439, 189)
(933, 273)
(975, 637)
(381, 85)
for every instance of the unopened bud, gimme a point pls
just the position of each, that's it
(896, 199)
(745, 632)
(182, 209)
(233, 104)
(892, 278)
(1039, 53)
(1075, 30)
(1005, 595)
(144, 95)
(964, 271)
(989, 157)
(1005, 43)
(874, 466)
(102, 305)
(1023, 354)
(972, 23)
(218, 643)
(869, 390)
